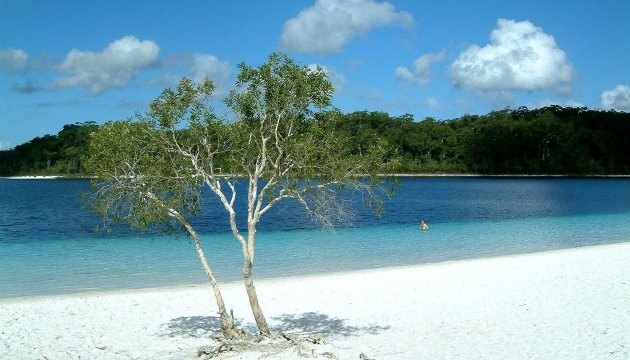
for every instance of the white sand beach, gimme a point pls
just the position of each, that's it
(47, 177)
(567, 304)
(33, 177)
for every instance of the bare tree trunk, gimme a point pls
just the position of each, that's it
(227, 320)
(261, 322)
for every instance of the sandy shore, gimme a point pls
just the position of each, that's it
(32, 177)
(569, 304)
(47, 177)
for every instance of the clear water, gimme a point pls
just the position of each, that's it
(48, 246)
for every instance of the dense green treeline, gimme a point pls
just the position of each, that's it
(60, 154)
(551, 140)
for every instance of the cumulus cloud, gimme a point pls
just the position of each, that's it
(617, 98)
(326, 27)
(113, 67)
(420, 72)
(13, 59)
(197, 67)
(520, 56)
(208, 66)
(336, 78)
(5, 145)
(18, 60)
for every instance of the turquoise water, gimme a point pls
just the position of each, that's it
(49, 247)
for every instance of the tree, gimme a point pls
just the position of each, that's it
(144, 184)
(281, 141)
(297, 154)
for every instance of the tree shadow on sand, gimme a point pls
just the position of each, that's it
(322, 324)
(305, 323)
(198, 327)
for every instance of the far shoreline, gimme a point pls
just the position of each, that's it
(48, 177)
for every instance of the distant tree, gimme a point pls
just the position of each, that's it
(281, 142)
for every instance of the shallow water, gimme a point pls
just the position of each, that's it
(48, 246)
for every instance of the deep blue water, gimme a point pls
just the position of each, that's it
(48, 243)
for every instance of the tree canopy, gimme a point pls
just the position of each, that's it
(281, 140)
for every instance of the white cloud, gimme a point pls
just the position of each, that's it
(115, 66)
(5, 145)
(196, 67)
(420, 72)
(336, 78)
(18, 60)
(326, 27)
(211, 67)
(13, 59)
(520, 56)
(617, 98)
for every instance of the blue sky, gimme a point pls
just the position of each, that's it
(67, 61)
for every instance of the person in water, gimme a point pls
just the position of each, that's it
(424, 226)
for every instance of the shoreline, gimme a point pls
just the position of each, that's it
(47, 177)
(237, 282)
(568, 303)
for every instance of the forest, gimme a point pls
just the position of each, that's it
(552, 140)
(60, 154)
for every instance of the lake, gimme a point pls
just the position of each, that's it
(48, 244)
